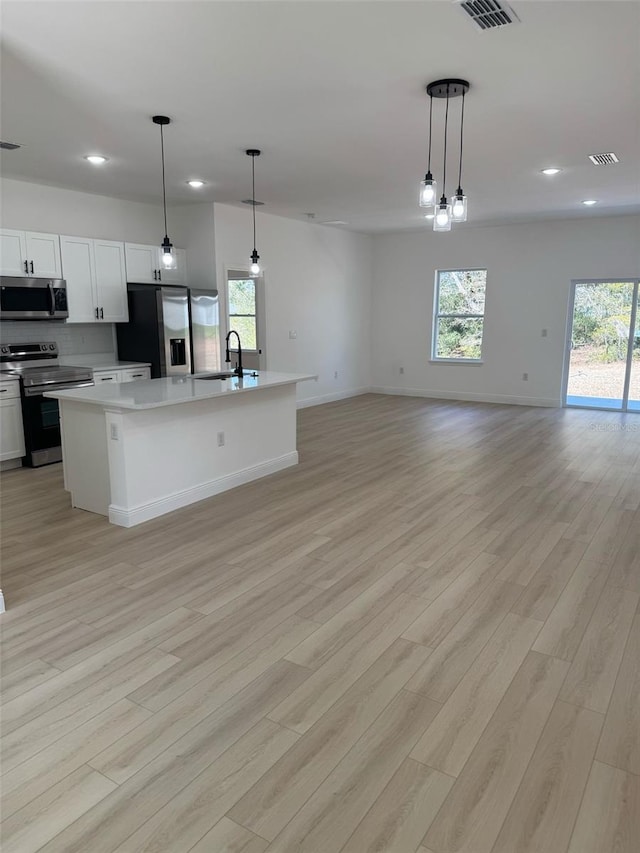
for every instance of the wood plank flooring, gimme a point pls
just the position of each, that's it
(425, 638)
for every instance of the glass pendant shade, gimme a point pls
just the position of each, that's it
(167, 256)
(428, 191)
(442, 219)
(255, 266)
(459, 207)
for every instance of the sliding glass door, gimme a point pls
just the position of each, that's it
(603, 360)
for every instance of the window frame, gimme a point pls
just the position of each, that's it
(248, 277)
(435, 358)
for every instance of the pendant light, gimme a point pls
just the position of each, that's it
(167, 257)
(442, 219)
(444, 212)
(428, 188)
(255, 257)
(459, 201)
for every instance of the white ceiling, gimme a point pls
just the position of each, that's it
(333, 92)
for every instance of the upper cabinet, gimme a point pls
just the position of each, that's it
(96, 280)
(143, 265)
(30, 254)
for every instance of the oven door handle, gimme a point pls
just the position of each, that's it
(38, 390)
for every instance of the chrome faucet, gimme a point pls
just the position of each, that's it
(238, 371)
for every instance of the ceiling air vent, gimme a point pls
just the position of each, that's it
(488, 14)
(603, 159)
(9, 146)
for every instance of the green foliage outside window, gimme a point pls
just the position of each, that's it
(460, 293)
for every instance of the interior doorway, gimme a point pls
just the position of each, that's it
(246, 316)
(602, 369)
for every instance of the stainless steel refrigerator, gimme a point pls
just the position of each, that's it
(176, 329)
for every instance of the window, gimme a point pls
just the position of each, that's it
(242, 311)
(459, 315)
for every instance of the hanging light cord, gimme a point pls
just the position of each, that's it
(446, 123)
(461, 129)
(430, 122)
(253, 196)
(164, 192)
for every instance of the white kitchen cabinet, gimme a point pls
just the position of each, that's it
(30, 254)
(13, 252)
(96, 281)
(111, 281)
(143, 265)
(129, 374)
(11, 432)
(102, 376)
(135, 374)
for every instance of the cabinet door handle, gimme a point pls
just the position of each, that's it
(97, 317)
(102, 313)
(31, 267)
(106, 379)
(26, 267)
(155, 275)
(4, 390)
(137, 375)
(159, 275)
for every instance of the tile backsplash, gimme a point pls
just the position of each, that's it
(72, 338)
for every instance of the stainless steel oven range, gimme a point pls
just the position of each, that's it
(38, 369)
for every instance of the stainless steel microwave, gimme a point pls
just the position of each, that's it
(33, 298)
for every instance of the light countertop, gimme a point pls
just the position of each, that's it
(172, 391)
(100, 361)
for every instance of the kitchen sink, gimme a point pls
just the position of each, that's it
(227, 374)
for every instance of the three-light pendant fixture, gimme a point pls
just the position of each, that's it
(255, 257)
(443, 211)
(167, 256)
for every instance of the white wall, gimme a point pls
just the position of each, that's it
(530, 267)
(35, 207)
(318, 283)
(195, 231)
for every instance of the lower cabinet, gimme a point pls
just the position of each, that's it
(11, 432)
(129, 374)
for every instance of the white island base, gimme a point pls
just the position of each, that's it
(137, 451)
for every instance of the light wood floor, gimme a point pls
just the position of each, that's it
(423, 638)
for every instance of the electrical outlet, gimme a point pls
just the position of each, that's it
(220, 439)
(401, 371)
(292, 334)
(113, 432)
(544, 333)
(525, 377)
(335, 374)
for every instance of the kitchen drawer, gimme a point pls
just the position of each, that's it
(9, 390)
(135, 374)
(99, 377)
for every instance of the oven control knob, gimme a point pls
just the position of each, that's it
(43, 347)
(5, 349)
(52, 346)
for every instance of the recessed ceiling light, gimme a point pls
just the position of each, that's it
(96, 159)
(552, 170)
(590, 201)
(196, 184)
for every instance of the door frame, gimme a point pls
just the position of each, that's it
(631, 279)
(261, 308)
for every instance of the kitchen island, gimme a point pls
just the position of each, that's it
(139, 450)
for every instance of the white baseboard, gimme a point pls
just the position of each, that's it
(331, 398)
(145, 512)
(468, 396)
